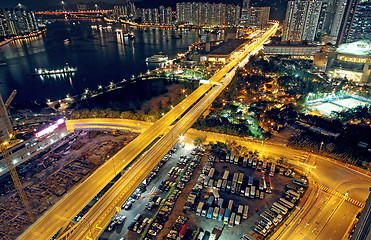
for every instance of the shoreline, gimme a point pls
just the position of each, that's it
(22, 37)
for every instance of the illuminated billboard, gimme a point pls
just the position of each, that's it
(50, 129)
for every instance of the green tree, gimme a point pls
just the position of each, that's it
(199, 142)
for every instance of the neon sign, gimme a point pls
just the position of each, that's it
(49, 129)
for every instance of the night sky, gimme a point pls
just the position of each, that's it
(278, 7)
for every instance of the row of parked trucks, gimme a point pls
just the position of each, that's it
(214, 209)
(246, 160)
(279, 208)
(238, 185)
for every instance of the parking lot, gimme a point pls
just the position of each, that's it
(140, 202)
(233, 204)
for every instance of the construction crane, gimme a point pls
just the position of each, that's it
(11, 167)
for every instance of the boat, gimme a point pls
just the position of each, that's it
(3, 64)
(45, 71)
(176, 36)
(158, 58)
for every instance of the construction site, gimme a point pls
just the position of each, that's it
(38, 172)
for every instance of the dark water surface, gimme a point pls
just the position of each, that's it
(101, 56)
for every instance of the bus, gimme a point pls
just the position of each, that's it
(293, 194)
(224, 184)
(235, 177)
(231, 159)
(273, 169)
(182, 232)
(240, 178)
(225, 175)
(286, 203)
(245, 211)
(280, 207)
(276, 210)
(211, 173)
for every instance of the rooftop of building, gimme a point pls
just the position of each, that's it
(360, 48)
(227, 48)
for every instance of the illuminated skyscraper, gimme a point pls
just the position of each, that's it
(301, 20)
(356, 22)
(245, 13)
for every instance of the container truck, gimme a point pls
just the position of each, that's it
(224, 185)
(237, 220)
(210, 200)
(236, 160)
(231, 219)
(229, 183)
(240, 209)
(247, 192)
(230, 204)
(252, 192)
(227, 212)
(221, 214)
(233, 187)
(273, 169)
(199, 208)
(244, 161)
(210, 212)
(231, 160)
(215, 213)
(228, 156)
(225, 175)
(264, 167)
(211, 173)
(235, 177)
(250, 161)
(240, 178)
(245, 212)
(219, 184)
(220, 202)
(251, 181)
(261, 184)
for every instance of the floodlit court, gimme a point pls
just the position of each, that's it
(327, 108)
(349, 103)
(336, 105)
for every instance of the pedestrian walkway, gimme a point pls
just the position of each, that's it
(336, 193)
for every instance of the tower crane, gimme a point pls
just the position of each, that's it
(11, 167)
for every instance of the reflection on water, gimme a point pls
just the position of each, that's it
(101, 55)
